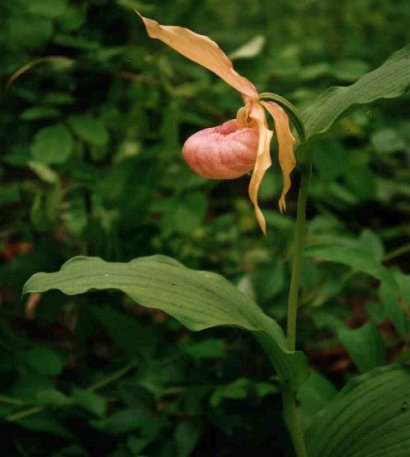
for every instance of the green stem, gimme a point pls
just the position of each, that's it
(25, 413)
(290, 411)
(299, 244)
(112, 377)
(397, 252)
(292, 421)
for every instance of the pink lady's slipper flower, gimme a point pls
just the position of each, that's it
(239, 145)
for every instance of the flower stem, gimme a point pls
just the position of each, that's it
(292, 420)
(306, 158)
(291, 414)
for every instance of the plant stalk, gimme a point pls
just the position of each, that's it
(292, 420)
(306, 158)
(290, 411)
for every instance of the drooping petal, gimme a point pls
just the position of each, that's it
(286, 141)
(263, 160)
(201, 50)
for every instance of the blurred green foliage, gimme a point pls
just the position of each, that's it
(93, 115)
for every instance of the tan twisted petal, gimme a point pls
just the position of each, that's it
(263, 160)
(286, 141)
(201, 50)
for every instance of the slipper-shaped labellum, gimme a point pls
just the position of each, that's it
(239, 145)
(222, 152)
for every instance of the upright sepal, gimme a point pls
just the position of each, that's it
(202, 50)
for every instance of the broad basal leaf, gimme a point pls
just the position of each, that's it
(389, 80)
(370, 417)
(198, 299)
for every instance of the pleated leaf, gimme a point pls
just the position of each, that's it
(198, 299)
(389, 80)
(370, 417)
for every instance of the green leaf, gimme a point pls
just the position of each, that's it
(370, 417)
(51, 397)
(349, 70)
(89, 129)
(52, 145)
(72, 18)
(78, 42)
(389, 80)
(137, 444)
(30, 32)
(396, 298)
(314, 71)
(263, 389)
(90, 401)
(269, 281)
(123, 421)
(44, 172)
(237, 389)
(387, 140)
(364, 260)
(250, 49)
(205, 349)
(39, 112)
(189, 212)
(351, 256)
(364, 345)
(186, 437)
(316, 393)
(371, 243)
(30, 383)
(47, 8)
(128, 334)
(44, 360)
(47, 424)
(58, 98)
(198, 299)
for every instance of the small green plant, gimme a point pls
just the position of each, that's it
(370, 416)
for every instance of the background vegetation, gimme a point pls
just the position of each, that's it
(90, 135)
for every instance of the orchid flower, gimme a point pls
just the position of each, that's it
(239, 145)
